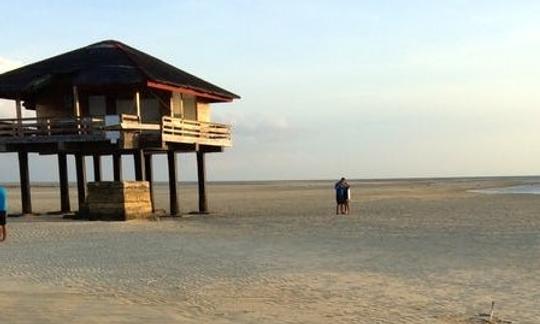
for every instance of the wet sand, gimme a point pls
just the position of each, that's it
(412, 251)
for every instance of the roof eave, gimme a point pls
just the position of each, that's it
(195, 92)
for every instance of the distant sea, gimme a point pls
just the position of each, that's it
(521, 189)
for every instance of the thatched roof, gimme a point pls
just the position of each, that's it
(107, 63)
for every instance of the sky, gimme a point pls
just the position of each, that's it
(362, 89)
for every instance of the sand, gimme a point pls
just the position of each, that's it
(415, 251)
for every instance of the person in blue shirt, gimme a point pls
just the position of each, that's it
(3, 211)
(342, 196)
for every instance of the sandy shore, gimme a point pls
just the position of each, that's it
(418, 251)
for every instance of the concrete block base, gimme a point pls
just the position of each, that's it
(118, 200)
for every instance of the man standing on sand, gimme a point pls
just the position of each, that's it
(3, 211)
(342, 191)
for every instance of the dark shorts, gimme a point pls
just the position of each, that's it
(2, 218)
(341, 200)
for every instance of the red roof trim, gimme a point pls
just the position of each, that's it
(161, 86)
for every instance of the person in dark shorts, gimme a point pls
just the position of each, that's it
(341, 196)
(3, 211)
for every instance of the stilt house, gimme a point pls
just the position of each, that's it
(110, 99)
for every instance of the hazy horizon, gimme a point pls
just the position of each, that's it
(73, 182)
(367, 89)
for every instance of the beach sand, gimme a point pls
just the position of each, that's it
(412, 251)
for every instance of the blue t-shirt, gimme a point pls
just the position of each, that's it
(3, 199)
(341, 191)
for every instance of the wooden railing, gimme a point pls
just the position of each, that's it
(94, 128)
(133, 122)
(36, 127)
(192, 131)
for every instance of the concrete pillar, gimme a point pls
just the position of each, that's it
(64, 183)
(117, 166)
(24, 175)
(97, 168)
(138, 159)
(149, 177)
(173, 195)
(80, 166)
(201, 176)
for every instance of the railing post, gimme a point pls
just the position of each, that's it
(87, 128)
(80, 125)
(203, 132)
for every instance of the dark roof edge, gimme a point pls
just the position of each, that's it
(137, 58)
(121, 46)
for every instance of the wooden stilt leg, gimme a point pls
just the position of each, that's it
(201, 173)
(64, 184)
(173, 197)
(80, 166)
(148, 177)
(97, 167)
(26, 196)
(117, 166)
(138, 158)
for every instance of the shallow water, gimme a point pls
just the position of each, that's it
(521, 189)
